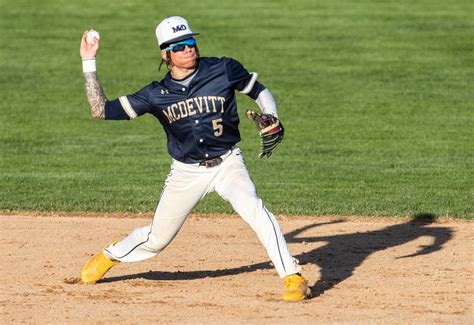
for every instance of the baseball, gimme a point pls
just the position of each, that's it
(90, 36)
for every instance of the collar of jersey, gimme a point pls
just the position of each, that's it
(201, 69)
(187, 77)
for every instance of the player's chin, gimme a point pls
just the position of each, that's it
(191, 63)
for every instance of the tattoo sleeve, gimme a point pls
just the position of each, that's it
(95, 95)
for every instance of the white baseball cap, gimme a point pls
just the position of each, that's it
(172, 30)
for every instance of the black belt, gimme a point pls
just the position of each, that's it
(211, 162)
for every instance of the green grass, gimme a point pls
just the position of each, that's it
(376, 97)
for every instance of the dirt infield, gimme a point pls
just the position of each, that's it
(361, 270)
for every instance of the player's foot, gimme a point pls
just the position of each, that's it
(296, 288)
(96, 267)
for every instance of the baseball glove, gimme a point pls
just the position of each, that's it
(271, 131)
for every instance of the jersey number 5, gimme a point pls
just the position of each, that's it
(218, 128)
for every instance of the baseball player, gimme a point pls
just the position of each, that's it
(196, 105)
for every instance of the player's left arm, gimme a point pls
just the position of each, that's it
(269, 126)
(261, 94)
(247, 84)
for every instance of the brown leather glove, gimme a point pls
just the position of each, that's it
(270, 129)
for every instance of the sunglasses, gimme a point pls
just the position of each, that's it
(178, 47)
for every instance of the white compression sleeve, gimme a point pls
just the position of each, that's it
(266, 103)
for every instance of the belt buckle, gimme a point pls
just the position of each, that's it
(211, 162)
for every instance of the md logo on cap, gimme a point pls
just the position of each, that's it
(173, 29)
(179, 28)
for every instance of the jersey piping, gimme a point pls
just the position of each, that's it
(251, 83)
(127, 107)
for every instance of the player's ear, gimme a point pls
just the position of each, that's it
(163, 55)
(165, 58)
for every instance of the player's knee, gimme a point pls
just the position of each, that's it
(251, 211)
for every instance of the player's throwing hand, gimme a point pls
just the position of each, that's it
(89, 44)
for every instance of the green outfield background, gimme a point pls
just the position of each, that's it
(377, 98)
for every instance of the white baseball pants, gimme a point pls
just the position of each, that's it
(184, 187)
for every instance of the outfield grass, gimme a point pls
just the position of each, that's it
(376, 97)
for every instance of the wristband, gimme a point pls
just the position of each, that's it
(88, 65)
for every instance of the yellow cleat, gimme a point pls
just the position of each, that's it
(96, 267)
(296, 288)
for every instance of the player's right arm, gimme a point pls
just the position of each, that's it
(123, 108)
(95, 95)
(94, 92)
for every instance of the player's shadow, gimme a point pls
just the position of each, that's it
(337, 258)
(342, 254)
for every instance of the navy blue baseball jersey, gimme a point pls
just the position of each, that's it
(200, 120)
